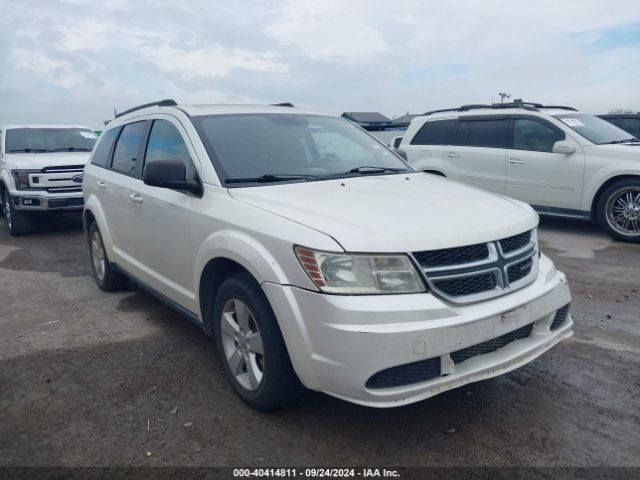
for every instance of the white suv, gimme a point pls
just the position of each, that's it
(316, 256)
(41, 171)
(555, 158)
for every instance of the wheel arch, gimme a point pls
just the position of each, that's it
(215, 272)
(603, 188)
(225, 253)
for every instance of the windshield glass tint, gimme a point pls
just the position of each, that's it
(49, 140)
(254, 145)
(592, 128)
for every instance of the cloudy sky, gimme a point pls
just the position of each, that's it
(75, 60)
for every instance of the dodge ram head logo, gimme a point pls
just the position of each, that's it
(77, 178)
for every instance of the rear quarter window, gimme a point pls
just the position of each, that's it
(435, 132)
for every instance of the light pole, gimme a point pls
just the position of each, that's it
(503, 96)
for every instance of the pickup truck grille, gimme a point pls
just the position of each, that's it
(58, 179)
(481, 271)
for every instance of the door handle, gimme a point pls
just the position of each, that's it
(102, 184)
(516, 161)
(453, 155)
(135, 198)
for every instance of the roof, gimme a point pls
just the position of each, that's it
(196, 110)
(212, 109)
(366, 117)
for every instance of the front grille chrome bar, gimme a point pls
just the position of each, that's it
(509, 265)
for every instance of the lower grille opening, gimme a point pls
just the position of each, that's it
(66, 202)
(406, 374)
(491, 345)
(560, 318)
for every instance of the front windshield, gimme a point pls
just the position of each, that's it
(594, 129)
(38, 140)
(258, 146)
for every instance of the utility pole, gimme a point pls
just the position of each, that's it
(503, 96)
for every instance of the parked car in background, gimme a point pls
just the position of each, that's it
(629, 122)
(316, 256)
(41, 170)
(378, 125)
(561, 161)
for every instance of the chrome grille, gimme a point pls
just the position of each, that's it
(468, 285)
(452, 256)
(514, 243)
(58, 179)
(519, 270)
(480, 271)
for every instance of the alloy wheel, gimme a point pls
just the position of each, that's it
(623, 211)
(97, 255)
(242, 343)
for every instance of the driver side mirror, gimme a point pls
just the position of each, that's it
(170, 173)
(563, 147)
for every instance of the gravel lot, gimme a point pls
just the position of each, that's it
(89, 378)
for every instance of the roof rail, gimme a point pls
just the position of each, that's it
(560, 107)
(283, 104)
(161, 103)
(496, 106)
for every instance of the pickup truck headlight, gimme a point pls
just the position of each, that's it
(357, 274)
(22, 178)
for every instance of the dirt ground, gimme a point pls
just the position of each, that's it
(90, 378)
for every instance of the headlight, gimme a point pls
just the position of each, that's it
(360, 274)
(22, 178)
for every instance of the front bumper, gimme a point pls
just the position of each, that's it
(337, 343)
(27, 202)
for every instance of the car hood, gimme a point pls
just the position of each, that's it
(42, 160)
(625, 150)
(394, 213)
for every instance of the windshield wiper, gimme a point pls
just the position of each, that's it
(366, 169)
(30, 150)
(269, 178)
(626, 140)
(72, 149)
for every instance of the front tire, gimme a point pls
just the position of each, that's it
(250, 343)
(17, 223)
(105, 276)
(618, 210)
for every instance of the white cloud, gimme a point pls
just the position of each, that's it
(329, 30)
(208, 62)
(60, 72)
(327, 54)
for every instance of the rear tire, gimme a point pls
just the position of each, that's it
(250, 344)
(107, 278)
(17, 223)
(618, 210)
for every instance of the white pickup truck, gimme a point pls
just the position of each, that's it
(41, 170)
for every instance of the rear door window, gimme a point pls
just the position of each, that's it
(125, 156)
(492, 133)
(436, 132)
